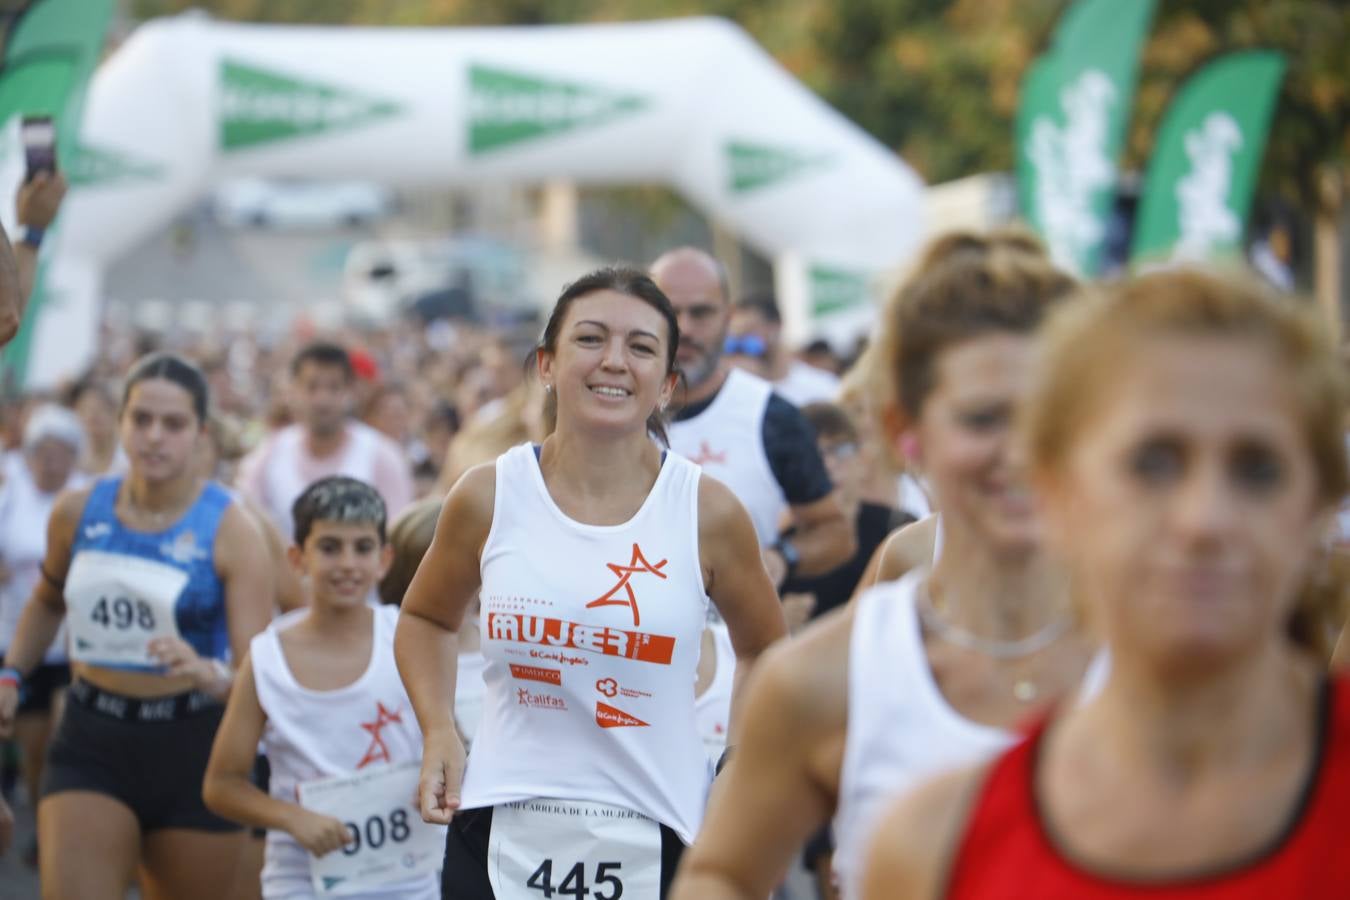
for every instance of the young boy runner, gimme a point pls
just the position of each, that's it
(321, 690)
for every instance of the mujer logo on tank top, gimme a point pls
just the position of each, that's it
(549, 632)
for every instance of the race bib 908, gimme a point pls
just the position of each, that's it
(387, 840)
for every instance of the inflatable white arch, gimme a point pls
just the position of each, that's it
(691, 103)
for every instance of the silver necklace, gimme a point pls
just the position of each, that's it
(997, 649)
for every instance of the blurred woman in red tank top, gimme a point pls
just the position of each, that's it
(1185, 440)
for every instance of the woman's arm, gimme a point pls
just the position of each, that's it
(736, 581)
(287, 591)
(244, 564)
(229, 791)
(426, 644)
(781, 781)
(914, 846)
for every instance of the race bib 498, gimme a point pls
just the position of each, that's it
(116, 605)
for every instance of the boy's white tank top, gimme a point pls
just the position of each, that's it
(311, 734)
(591, 636)
(713, 706)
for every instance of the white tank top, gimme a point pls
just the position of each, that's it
(469, 693)
(727, 440)
(901, 730)
(310, 734)
(24, 511)
(591, 636)
(713, 707)
(285, 479)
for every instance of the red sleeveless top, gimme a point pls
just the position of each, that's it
(1007, 853)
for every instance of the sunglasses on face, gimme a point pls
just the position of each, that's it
(745, 345)
(842, 451)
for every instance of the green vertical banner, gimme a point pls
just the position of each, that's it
(1206, 159)
(50, 54)
(1071, 124)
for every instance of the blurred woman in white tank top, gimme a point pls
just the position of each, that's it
(934, 669)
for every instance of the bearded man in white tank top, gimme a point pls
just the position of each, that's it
(934, 670)
(325, 440)
(742, 433)
(597, 554)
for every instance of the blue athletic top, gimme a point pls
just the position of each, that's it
(186, 545)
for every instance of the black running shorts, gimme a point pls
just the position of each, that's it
(150, 760)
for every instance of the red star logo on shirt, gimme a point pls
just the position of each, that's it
(377, 751)
(624, 573)
(707, 455)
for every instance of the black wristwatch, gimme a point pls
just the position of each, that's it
(791, 555)
(32, 235)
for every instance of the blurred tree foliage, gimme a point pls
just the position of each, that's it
(937, 80)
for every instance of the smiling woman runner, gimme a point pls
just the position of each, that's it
(597, 553)
(157, 575)
(1185, 440)
(932, 671)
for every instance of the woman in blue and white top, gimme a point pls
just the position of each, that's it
(161, 580)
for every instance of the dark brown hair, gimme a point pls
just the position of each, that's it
(174, 369)
(622, 280)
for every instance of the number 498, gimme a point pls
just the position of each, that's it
(574, 883)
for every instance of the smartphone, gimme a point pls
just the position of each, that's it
(39, 145)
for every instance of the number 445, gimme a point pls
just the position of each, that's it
(574, 883)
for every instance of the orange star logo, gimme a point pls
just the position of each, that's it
(377, 751)
(637, 564)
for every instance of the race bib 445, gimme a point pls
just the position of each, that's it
(569, 849)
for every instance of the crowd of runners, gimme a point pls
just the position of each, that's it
(1038, 597)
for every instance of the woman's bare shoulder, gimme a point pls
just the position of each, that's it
(909, 547)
